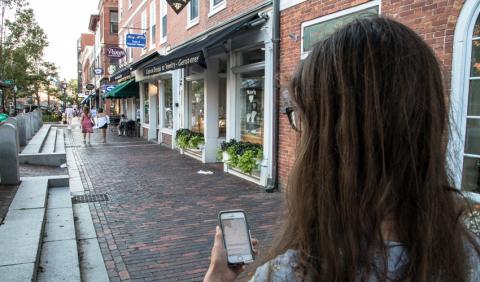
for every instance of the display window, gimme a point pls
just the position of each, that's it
(167, 104)
(250, 100)
(196, 96)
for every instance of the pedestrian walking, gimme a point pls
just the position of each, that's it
(69, 112)
(87, 124)
(103, 122)
(369, 197)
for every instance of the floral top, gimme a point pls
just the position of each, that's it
(285, 267)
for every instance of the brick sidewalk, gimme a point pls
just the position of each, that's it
(160, 221)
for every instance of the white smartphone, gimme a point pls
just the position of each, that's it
(236, 236)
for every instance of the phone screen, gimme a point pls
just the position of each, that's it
(237, 241)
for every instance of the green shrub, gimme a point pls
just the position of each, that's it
(187, 139)
(243, 155)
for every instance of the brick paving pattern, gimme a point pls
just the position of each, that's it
(160, 221)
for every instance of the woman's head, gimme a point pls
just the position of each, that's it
(372, 114)
(86, 110)
(100, 110)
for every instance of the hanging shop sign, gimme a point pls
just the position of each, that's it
(196, 58)
(90, 86)
(115, 52)
(136, 40)
(112, 69)
(108, 87)
(178, 5)
(98, 71)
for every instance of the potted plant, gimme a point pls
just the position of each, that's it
(187, 139)
(244, 156)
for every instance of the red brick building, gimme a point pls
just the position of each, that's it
(105, 27)
(84, 44)
(449, 26)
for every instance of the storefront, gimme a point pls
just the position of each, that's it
(126, 93)
(214, 89)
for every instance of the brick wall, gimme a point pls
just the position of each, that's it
(178, 33)
(433, 20)
(167, 139)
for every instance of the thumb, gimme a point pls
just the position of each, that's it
(218, 238)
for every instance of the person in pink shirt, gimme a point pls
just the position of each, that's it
(87, 124)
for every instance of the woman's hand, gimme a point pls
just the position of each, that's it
(219, 269)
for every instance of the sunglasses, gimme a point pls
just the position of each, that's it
(292, 118)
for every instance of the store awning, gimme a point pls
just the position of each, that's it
(126, 89)
(193, 52)
(121, 73)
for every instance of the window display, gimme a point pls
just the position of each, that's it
(251, 106)
(167, 104)
(196, 105)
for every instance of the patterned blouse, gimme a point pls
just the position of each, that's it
(285, 266)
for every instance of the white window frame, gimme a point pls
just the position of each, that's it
(153, 23)
(338, 14)
(143, 21)
(193, 22)
(163, 13)
(216, 8)
(130, 3)
(120, 12)
(462, 51)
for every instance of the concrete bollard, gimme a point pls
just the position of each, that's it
(13, 121)
(33, 121)
(28, 126)
(22, 135)
(9, 172)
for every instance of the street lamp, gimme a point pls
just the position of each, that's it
(15, 89)
(64, 87)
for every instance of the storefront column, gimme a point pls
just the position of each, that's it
(266, 164)
(153, 112)
(211, 111)
(161, 99)
(232, 128)
(177, 89)
(142, 99)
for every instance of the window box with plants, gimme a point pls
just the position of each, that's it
(186, 139)
(243, 156)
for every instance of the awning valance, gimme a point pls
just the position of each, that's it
(193, 52)
(126, 89)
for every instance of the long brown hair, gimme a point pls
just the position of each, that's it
(373, 119)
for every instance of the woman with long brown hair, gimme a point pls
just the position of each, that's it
(369, 197)
(87, 124)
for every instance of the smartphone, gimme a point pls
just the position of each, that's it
(236, 236)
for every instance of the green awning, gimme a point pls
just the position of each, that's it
(126, 89)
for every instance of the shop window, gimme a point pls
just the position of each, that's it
(250, 103)
(168, 104)
(253, 56)
(196, 97)
(222, 108)
(113, 22)
(315, 30)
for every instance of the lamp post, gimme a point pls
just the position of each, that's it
(15, 89)
(64, 88)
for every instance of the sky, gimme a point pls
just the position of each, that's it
(63, 21)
